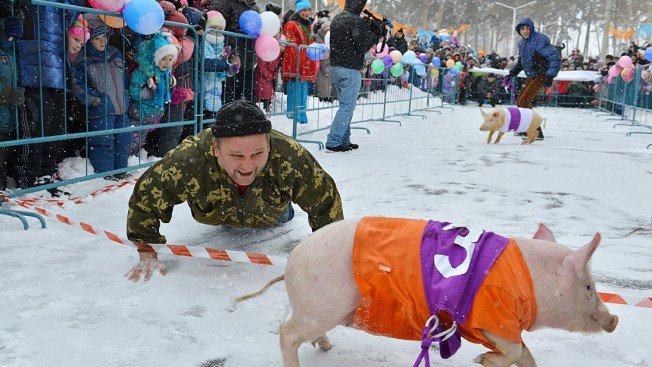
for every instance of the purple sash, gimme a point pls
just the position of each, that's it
(454, 264)
(515, 118)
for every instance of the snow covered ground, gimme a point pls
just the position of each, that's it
(65, 300)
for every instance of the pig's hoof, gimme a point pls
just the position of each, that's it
(323, 342)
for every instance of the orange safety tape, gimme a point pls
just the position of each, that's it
(78, 199)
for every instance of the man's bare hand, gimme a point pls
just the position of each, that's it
(145, 267)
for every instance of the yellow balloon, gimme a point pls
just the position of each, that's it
(113, 22)
(435, 72)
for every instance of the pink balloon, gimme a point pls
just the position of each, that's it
(625, 62)
(614, 71)
(627, 75)
(267, 48)
(109, 5)
(384, 52)
(610, 79)
(372, 50)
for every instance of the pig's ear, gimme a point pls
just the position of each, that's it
(544, 233)
(496, 113)
(484, 114)
(579, 259)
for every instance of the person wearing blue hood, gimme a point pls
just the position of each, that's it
(539, 59)
(101, 85)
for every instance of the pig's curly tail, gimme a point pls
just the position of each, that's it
(260, 292)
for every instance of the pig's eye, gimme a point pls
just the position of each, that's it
(588, 287)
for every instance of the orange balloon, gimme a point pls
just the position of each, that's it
(450, 63)
(481, 53)
(113, 22)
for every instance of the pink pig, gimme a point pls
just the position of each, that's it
(323, 293)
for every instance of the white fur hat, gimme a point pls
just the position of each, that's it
(215, 19)
(164, 47)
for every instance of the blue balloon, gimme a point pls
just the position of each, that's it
(420, 69)
(436, 62)
(409, 58)
(648, 54)
(144, 16)
(453, 71)
(250, 23)
(316, 51)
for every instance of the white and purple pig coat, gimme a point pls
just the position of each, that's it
(517, 119)
(408, 270)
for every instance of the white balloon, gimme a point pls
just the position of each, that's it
(327, 39)
(271, 24)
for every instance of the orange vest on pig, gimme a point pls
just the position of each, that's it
(387, 270)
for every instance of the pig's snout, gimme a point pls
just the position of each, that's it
(610, 326)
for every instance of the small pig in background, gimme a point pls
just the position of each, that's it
(547, 285)
(512, 119)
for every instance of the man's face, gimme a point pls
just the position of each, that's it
(242, 157)
(525, 31)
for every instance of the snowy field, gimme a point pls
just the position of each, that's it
(65, 300)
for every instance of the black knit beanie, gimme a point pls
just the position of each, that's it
(240, 118)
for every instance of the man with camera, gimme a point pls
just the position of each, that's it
(351, 37)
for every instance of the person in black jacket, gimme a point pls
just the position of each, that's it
(488, 88)
(241, 85)
(351, 38)
(398, 41)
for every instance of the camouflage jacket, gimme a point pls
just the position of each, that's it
(190, 173)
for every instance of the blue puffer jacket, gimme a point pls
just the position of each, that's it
(7, 80)
(536, 56)
(41, 52)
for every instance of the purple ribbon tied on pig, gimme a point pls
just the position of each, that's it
(454, 263)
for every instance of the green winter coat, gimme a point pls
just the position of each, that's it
(190, 173)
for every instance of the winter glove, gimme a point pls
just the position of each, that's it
(12, 96)
(152, 84)
(173, 81)
(226, 52)
(234, 69)
(549, 79)
(10, 27)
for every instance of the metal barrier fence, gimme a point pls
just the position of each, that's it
(60, 121)
(628, 103)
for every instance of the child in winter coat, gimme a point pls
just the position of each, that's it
(151, 84)
(11, 96)
(218, 63)
(100, 84)
(265, 76)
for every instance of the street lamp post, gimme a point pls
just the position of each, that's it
(514, 9)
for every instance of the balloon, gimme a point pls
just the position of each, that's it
(453, 71)
(423, 57)
(377, 66)
(459, 66)
(271, 24)
(396, 56)
(396, 70)
(113, 22)
(627, 74)
(481, 53)
(316, 51)
(610, 79)
(387, 61)
(382, 53)
(450, 63)
(267, 48)
(409, 57)
(250, 23)
(109, 5)
(625, 62)
(436, 61)
(327, 39)
(144, 16)
(435, 73)
(648, 54)
(420, 69)
(445, 37)
(613, 71)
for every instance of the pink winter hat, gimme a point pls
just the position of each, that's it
(214, 19)
(79, 29)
